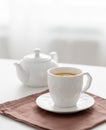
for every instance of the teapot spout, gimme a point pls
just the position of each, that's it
(22, 74)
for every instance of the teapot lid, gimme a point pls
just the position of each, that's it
(37, 57)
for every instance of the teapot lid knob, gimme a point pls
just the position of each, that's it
(37, 52)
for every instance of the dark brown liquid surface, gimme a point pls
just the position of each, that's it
(65, 74)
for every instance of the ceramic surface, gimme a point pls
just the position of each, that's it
(45, 102)
(62, 88)
(32, 69)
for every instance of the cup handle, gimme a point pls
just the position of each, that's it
(88, 83)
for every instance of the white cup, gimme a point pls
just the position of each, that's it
(65, 89)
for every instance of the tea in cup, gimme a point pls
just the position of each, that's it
(66, 85)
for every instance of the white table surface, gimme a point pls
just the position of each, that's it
(11, 88)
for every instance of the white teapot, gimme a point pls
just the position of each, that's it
(32, 69)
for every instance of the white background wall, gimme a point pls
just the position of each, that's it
(64, 26)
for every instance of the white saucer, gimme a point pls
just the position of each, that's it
(45, 102)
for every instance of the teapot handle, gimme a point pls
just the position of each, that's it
(54, 56)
